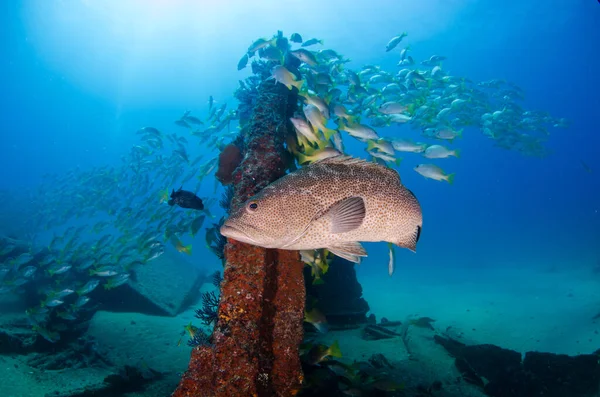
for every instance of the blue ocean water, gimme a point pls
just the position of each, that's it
(79, 78)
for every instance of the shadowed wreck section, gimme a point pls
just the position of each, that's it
(255, 343)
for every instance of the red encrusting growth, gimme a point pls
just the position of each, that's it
(255, 349)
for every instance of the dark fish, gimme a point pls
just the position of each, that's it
(296, 38)
(186, 199)
(243, 62)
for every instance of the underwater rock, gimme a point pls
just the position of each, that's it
(17, 340)
(81, 353)
(376, 332)
(151, 289)
(562, 375)
(379, 361)
(387, 323)
(339, 298)
(501, 372)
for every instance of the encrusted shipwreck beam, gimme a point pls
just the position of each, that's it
(255, 343)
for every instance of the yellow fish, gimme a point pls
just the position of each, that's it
(164, 196)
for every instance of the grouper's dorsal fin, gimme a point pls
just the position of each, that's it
(357, 162)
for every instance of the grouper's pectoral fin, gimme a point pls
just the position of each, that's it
(347, 214)
(349, 250)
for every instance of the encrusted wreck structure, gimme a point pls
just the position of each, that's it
(254, 347)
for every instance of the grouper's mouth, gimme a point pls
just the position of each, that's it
(236, 234)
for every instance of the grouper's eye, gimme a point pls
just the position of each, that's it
(252, 206)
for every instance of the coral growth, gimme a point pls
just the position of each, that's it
(210, 305)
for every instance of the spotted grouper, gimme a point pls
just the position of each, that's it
(335, 204)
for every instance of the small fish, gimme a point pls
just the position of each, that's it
(28, 271)
(61, 293)
(116, 281)
(310, 42)
(271, 54)
(191, 330)
(317, 319)
(7, 249)
(318, 155)
(440, 152)
(86, 264)
(243, 62)
(341, 112)
(193, 120)
(67, 315)
(392, 108)
(404, 53)
(296, 38)
(353, 78)
(19, 281)
(282, 75)
(58, 269)
(318, 262)
(394, 42)
(81, 301)
(381, 145)
(317, 120)
(316, 101)
(360, 131)
(51, 337)
(399, 118)
(364, 202)
(88, 287)
(338, 143)
(403, 145)
(106, 271)
(260, 43)
(52, 302)
(434, 172)
(186, 199)
(319, 353)
(448, 134)
(182, 123)
(155, 253)
(392, 260)
(21, 260)
(304, 129)
(186, 249)
(197, 224)
(305, 56)
(149, 130)
(385, 157)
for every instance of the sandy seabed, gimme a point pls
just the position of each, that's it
(515, 307)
